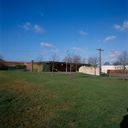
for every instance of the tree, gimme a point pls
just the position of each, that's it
(84, 60)
(116, 63)
(54, 58)
(71, 58)
(107, 63)
(76, 59)
(68, 59)
(122, 60)
(93, 60)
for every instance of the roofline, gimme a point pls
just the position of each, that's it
(36, 62)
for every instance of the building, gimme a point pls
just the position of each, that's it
(89, 70)
(105, 68)
(49, 66)
(111, 70)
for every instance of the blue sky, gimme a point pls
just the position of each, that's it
(37, 29)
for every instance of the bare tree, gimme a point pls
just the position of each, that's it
(84, 60)
(68, 57)
(71, 58)
(117, 63)
(93, 61)
(76, 59)
(68, 60)
(123, 61)
(54, 58)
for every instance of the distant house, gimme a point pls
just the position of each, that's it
(111, 70)
(115, 70)
(105, 68)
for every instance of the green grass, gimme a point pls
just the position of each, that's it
(46, 100)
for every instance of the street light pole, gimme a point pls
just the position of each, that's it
(100, 50)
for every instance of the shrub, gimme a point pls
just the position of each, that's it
(19, 66)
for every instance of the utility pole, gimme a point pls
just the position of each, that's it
(100, 50)
(32, 65)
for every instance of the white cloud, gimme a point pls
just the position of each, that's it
(46, 45)
(49, 51)
(83, 33)
(125, 25)
(122, 27)
(38, 28)
(118, 27)
(110, 38)
(26, 26)
(30, 27)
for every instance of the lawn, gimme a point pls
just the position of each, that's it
(56, 100)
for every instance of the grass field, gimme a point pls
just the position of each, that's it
(46, 100)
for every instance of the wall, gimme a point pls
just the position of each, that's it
(118, 73)
(37, 67)
(28, 66)
(89, 70)
(105, 68)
